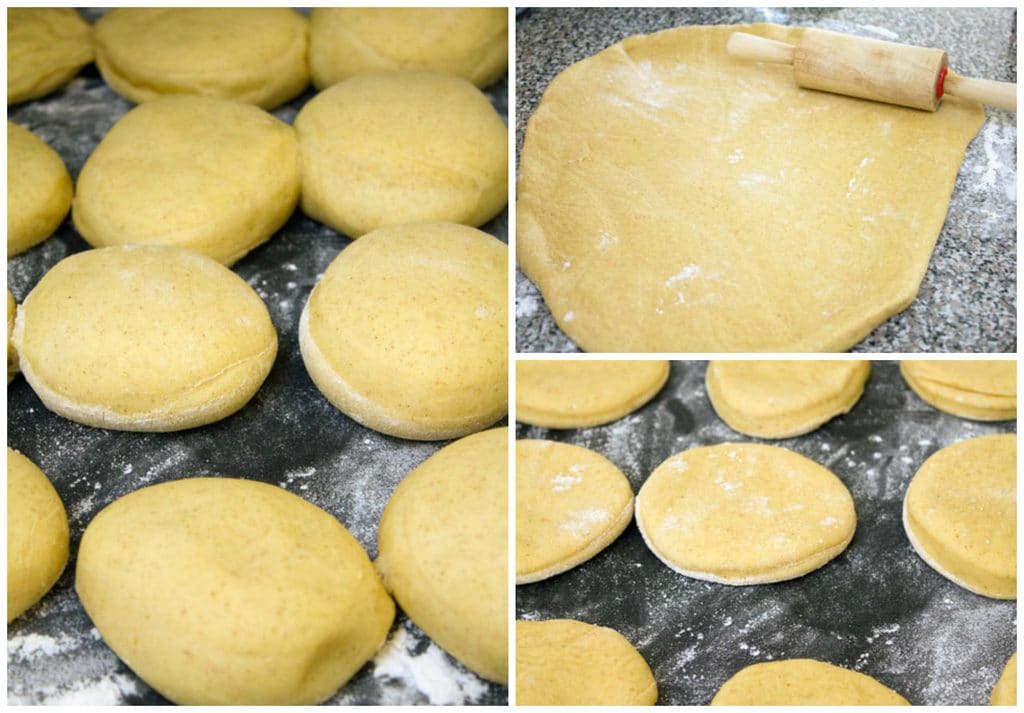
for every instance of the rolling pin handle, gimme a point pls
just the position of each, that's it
(743, 45)
(1001, 95)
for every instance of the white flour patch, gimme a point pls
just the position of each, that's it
(735, 157)
(526, 306)
(581, 521)
(561, 482)
(431, 672)
(606, 242)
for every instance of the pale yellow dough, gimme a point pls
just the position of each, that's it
(804, 682)
(253, 55)
(672, 199)
(571, 503)
(960, 514)
(979, 390)
(402, 147)
(562, 662)
(443, 550)
(571, 393)
(469, 42)
(12, 353)
(38, 190)
(1005, 691)
(211, 175)
(782, 399)
(144, 338)
(741, 513)
(37, 534)
(45, 48)
(220, 591)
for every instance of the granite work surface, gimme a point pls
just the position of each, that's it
(967, 301)
(877, 608)
(288, 435)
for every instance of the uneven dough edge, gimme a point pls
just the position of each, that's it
(963, 409)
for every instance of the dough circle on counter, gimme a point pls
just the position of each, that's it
(782, 399)
(211, 175)
(38, 190)
(804, 682)
(960, 514)
(752, 215)
(1005, 691)
(742, 513)
(12, 353)
(443, 550)
(402, 147)
(571, 503)
(144, 338)
(221, 591)
(45, 48)
(978, 390)
(563, 662)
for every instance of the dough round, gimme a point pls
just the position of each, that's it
(402, 147)
(1005, 691)
(751, 216)
(443, 550)
(571, 503)
(45, 48)
(979, 390)
(406, 331)
(578, 394)
(469, 42)
(38, 190)
(253, 55)
(741, 513)
(221, 591)
(804, 682)
(562, 662)
(12, 353)
(37, 534)
(782, 399)
(210, 175)
(144, 338)
(960, 514)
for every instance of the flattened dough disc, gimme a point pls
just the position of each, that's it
(804, 682)
(1005, 691)
(979, 390)
(45, 48)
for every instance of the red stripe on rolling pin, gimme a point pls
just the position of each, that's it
(940, 82)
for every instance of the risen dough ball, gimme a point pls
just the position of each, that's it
(443, 550)
(782, 399)
(254, 55)
(804, 682)
(219, 591)
(45, 48)
(12, 353)
(741, 513)
(406, 331)
(960, 514)
(38, 190)
(562, 662)
(470, 42)
(144, 338)
(37, 534)
(211, 175)
(1005, 691)
(402, 147)
(979, 390)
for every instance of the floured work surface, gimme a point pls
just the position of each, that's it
(877, 608)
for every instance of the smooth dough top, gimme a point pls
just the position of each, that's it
(1005, 691)
(470, 42)
(804, 682)
(253, 55)
(208, 174)
(742, 513)
(45, 48)
(980, 390)
(751, 216)
(570, 393)
(38, 189)
(562, 662)
(443, 550)
(960, 513)
(782, 399)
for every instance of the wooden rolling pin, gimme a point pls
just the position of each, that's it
(872, 69)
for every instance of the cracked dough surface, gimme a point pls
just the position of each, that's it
(673, 199)
(45, 48)
(979, 390)
(38, 190)
(804, 682)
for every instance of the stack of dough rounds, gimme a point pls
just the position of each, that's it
(960, 514)
(144, 338)
(38, 190)
(37, 534)
(406, 331)
(804, 682)
(253, 55)
(579, 394)
(782, 399)
(979, 390)
(218, 591)
(45, 48)
(571, 503)
(562, 662)
(402, 147)
(744, 514)
(212, 175)
(443, 550)
(469, 42)
(12, 353)
(1005, 691)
